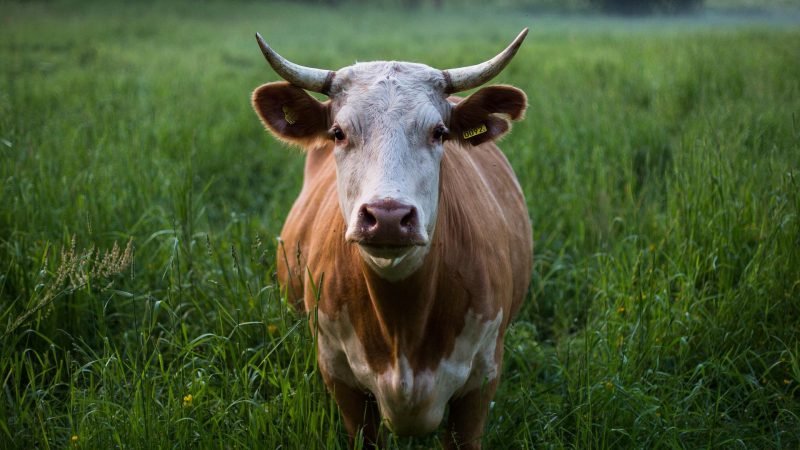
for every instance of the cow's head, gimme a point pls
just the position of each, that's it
(388, 122)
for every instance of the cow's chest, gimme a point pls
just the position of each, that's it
(412, 402)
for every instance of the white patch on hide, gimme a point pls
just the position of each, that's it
(412, 403)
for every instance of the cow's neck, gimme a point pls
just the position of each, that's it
(402, 307)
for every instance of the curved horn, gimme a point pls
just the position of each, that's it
(309, 78)
(464, 78)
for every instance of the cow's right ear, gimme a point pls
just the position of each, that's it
(290, 113)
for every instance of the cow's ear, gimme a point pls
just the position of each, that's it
(290, 113)
(486, 114)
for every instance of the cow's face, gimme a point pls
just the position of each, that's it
(387, 123)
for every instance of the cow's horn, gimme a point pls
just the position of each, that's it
(464, 78)
(309, 78)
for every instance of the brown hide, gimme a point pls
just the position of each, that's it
(480, 259)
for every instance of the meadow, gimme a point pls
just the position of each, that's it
(140, 201)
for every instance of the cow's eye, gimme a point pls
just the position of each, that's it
(337, 133)
(439, 132)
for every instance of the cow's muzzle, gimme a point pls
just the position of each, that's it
(387, 224)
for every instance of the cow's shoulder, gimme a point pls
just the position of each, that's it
(486, 237)
(312, 225)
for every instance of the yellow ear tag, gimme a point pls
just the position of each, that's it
(289, 116)
(475, 131)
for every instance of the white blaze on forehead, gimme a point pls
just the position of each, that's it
(388, 111)
(412, 402)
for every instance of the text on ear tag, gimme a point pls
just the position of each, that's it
(475, 131)
(289, 116)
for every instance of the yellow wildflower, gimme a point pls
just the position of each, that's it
(74, 440)
(272, 329)
(609, 385)
(621, 310)
(187, 400)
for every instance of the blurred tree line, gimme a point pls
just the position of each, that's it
(607, 6)
(646, 6)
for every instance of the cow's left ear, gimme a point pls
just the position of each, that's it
(290, 113)
(486, 115)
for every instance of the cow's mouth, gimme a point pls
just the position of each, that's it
(391, 246)
(393, 262)
(387, 250)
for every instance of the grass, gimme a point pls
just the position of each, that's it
(660, 160)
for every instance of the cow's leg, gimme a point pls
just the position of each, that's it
(359, 412)
(467, 417)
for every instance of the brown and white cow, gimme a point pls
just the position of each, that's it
(410, 243)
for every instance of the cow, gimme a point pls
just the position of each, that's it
(410, 244)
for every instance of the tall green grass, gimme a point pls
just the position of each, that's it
(660, 161)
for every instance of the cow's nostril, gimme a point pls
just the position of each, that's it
(410, 219)
(366, 219)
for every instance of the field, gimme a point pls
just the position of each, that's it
(140, 201)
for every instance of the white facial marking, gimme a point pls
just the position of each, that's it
(388, 111)
(412, 403)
